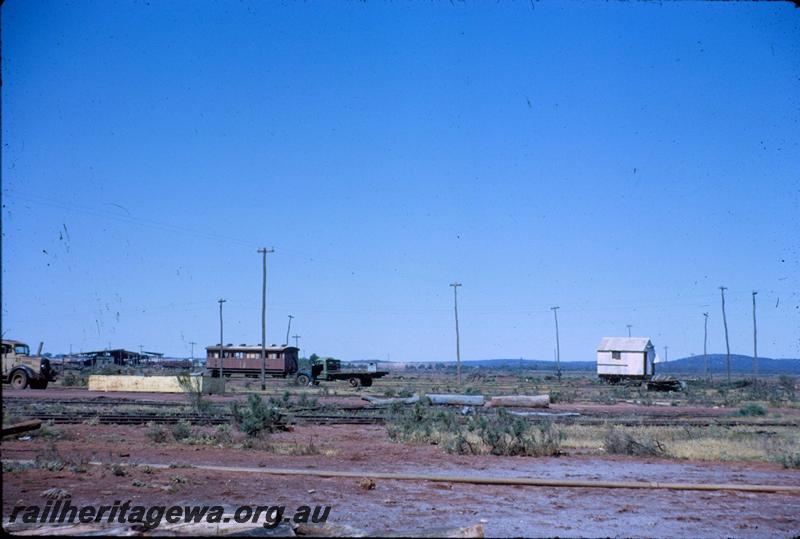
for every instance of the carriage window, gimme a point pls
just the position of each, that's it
(616, 355)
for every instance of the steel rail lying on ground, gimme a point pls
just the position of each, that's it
(476, 480)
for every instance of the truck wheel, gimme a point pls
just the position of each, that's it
(19, 380)
(303, 379)
(355, 382)
(366, 382)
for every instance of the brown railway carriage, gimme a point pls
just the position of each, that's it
(280, 360)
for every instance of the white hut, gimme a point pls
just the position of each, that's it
(625, 357)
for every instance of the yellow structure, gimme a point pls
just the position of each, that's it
(153, 384)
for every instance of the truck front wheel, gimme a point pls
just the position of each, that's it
(303, 379)
(354, 381)
(19, 380)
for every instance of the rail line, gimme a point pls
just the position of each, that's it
(368, 418)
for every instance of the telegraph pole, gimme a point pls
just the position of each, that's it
(558, 344)
(264, 252)
(288, 329)
(727, 343)
(755, 340)
(629, 329)
(705, 349)
(296, 339)
(666, 355)
(458, 340)
(221, 346)
(192, 343)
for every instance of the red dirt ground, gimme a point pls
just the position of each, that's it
(410, 506)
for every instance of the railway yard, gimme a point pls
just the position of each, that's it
(716, 460)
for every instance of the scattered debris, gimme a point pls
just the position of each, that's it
(520, 401)
(460, 400)
(367, 484)
(328, 530)
(24, 426)
(663, 382)
(56, 494)
(545, 414)
(389, 401)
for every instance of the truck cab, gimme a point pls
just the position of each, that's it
(330, 369)
(21, 369)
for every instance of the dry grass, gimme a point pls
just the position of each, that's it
(697, 443)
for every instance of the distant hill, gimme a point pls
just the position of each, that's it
(690, 365)
(739, 364)
(534, 364)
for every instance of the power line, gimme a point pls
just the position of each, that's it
(558, 344)
(458, 340)
(221, 348)
(727, 343)
(755, 339)
(263, 251)
(289, 329)
(705, 349)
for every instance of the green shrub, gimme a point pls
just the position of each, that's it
(222, 435)
(787, 384)
(752, 410)
(73, 379)
(256, 417)
(156, 433)
(496, 434)
(193, 389)
(181, 430)
(619, 442)
(305, 402)
(406, 392)
(790, 460)
(565, 395)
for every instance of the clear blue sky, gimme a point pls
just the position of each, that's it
(620, 160)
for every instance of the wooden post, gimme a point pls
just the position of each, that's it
(558, 344)
(458, 340)
(221, 348)
(705, 351)
(727, 343)
(755, 339)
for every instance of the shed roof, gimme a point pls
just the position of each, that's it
(253, 348)
(624, 344)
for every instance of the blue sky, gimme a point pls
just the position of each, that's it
(620, 160)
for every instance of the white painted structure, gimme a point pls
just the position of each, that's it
(625, 357)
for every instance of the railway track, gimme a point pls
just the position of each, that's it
(171, 412)
(67, 418)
